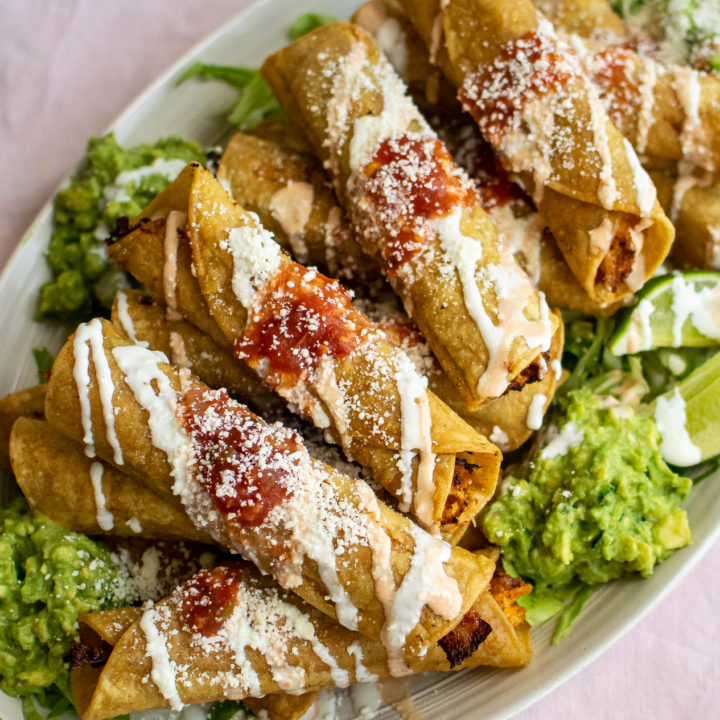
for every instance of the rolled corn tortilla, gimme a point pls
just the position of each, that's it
(328, 361)
(535, 104)
(254, 489)
(87, 495)
(591, 19)
(142, 318)
(293, 199)
(230, 633)
(670, 114)
(108, 626)
(388, 25)
(509, 420)
(508, 206)
(504, 418)
(693, 203)
(414, 210)
(300, 332)
(29, 402)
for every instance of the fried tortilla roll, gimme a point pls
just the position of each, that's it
(329, 362)
(693, 203)
(158, 256)
(670, 115)
(300, 332)
(414, 210)
(388, 25)
(508, 420)
(295, 202)
(86, 495)
(508, 206)
(229, 633)
(142, 319)
(101, 631)
(254, 489)
(591, 19)
(534, 103)
(23, 403)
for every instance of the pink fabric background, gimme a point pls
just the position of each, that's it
(66, 69)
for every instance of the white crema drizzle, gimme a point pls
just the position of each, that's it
(513, 291)
(163, 671)
(104, 517)
(415, 437)
(155, 394)
(123, 312)
(395, 119)
(89, 339)
(425, 583)
(173, 224)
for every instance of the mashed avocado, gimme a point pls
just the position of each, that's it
(687, 31)
(48, 576)
(598, 502)
(112, 182)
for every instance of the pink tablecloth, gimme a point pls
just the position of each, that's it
(66, 69)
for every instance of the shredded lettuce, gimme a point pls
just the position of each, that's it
(634, 379)
(44, 361)
(307, 23)
(256, 101)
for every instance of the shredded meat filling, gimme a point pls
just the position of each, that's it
(534, 372)
(84, 653)
(617, 264)
(506, 590)
(457, 499)
(459, 644)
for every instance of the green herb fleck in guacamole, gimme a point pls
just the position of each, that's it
(598, 502)
(48, 576)
(688, 31)
(112, 182)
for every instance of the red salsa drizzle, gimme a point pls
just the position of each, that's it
(246, 466)
(612, 69)
(526, 69)
(411, 179)
(301, 317)
(209, 597)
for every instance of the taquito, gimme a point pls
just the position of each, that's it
(87, 495)
(511, 210)
(293, 199)
(255, 489)
(693, 204)
(414, 211)
(508, 420)
(591, 19)
(100, 631)
(327, 360)
(505, 418)
(229, 633)
(670, 114)
(144, 319)
(29, 402)
(535, 104)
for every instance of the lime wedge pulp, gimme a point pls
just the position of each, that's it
(688, 416)
(675, 310)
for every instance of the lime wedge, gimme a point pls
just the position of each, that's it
(688, 417)
(676, 310)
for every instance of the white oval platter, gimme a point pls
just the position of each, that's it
(193, 111)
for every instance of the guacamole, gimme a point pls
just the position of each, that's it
(598, 502)
(112, 182)
(48, 576)
(687, 31)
